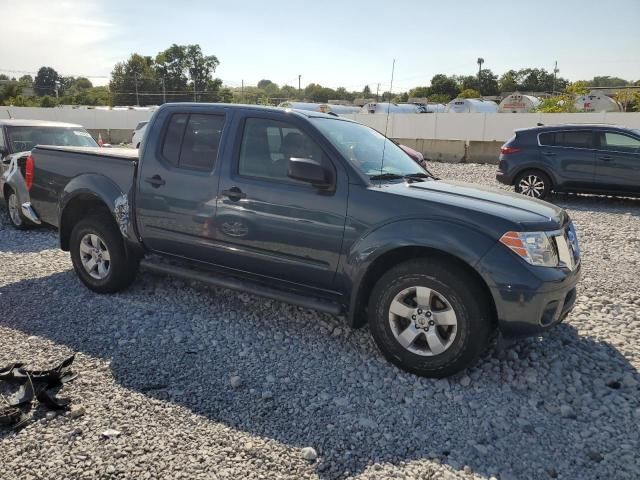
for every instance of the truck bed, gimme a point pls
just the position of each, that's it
(61, 172)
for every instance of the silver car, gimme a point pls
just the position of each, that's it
(17, 139)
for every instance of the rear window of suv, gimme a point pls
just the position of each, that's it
(567, 138)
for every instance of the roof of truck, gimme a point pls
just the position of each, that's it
(14, 122)
(235, 106)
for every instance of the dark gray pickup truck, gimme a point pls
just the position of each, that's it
(316, 211)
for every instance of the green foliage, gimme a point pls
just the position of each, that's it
(47, 102)
(366, 91)
(558, 104)
(438, 98)
(607, 81)
(530, 80)
(443, 85)
(45, 81)
(469, 93)
(580, 87)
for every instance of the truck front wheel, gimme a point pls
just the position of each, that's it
(99, 256)
(429, 318)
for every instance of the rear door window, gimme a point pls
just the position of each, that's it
(574, 139)
(191, 141)
(173, 138)
(548, 139)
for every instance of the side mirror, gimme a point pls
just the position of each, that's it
(309, 171)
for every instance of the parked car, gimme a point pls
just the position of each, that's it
(138, 134)
(587, 158)
(17, 138)
(302, 207)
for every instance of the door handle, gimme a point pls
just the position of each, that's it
(606, 158)
(155, 181)
(234, 193)
(549, 154)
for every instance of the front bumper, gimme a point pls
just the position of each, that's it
(529, 300)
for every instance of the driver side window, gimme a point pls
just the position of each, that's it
(267, 145)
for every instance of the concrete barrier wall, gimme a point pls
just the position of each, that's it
(449, 137)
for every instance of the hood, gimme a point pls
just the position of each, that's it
(529, 213)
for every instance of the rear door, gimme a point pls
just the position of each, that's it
(570, 153)
(177, 186)
(270, 224)
(618, 161)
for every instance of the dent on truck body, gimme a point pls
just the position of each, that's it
(121, 212)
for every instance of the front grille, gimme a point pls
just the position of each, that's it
(567, 247)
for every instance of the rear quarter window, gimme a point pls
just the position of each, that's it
(547, 139)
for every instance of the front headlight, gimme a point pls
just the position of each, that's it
(534, 247)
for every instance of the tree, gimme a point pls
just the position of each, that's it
(263, 83)
(508, 81)
(581, 87)
(47, 102)
(441, 84)
(136, 73)
(200, 67)
(366, 91)
(419, 92)
(469, 93)
(607, 81)
(439, 98)
(45, 81)
(558, 104)
(26, 80)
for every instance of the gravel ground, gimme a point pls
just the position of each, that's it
(201, 382)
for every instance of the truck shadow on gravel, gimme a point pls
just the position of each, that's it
(560, 405)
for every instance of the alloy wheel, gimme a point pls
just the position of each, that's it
(423, 321)
(532, 186)
(14, 209)
(94, 256)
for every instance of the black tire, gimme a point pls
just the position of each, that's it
(464, 296)
(122, 268)
(526, 182)
(20, 222)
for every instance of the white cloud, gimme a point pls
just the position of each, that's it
(71, 36)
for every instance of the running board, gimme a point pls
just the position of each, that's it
(248, 286)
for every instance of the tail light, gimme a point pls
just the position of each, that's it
(28, 172)
(507, 150)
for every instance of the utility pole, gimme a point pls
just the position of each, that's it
(195, 97)
(164, 92)
(242, 92)
(136, 82)
(299, 86)
(377, 91)
(57, 86)
(555, 72)
(480, 62)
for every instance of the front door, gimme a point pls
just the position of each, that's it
(270, 224)
(618, 162)
(177, 187)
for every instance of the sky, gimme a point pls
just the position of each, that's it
(349, 43)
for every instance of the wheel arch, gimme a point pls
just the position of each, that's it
(373, 256)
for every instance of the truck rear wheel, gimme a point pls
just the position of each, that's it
(99, 256)
(429, 318)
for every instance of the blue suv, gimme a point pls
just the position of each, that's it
(585, 158)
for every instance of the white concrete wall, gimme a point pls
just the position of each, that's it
(482, 126)
(92, 119)
(436, 126)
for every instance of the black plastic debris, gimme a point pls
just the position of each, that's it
(32, 385)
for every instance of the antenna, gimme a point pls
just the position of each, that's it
(9, 112)
(386, 126)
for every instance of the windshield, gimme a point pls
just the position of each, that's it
(364, 147)
(22, 139)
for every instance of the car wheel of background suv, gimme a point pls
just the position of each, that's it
(533, 183)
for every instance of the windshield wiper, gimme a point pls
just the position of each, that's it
(386, 176)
